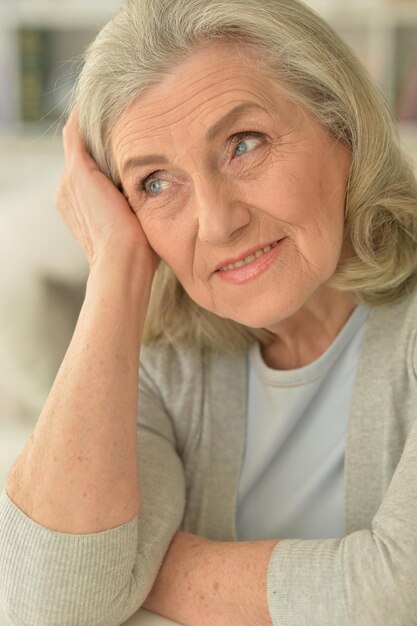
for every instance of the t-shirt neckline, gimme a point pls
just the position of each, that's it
(317, 368)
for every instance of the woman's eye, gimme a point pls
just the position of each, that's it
(148, 180)
(242, 138)
(145, 184)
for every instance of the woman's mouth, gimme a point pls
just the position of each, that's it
(252, 266)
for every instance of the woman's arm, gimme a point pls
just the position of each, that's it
(368, 578)
(78, 471)
(74, 550)
(213, 583)
(49, 578)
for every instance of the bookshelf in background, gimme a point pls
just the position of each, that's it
(49, 64)
(406, 74)
(34, 58)
(41, 42)
(405, 64)
(47, 36)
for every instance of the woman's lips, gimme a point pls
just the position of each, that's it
(246, 273)
(244, 255)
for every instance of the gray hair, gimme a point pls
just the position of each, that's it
(148, 39)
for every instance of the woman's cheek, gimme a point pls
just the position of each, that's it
(161, 236)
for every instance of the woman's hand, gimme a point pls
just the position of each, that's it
(95, 211)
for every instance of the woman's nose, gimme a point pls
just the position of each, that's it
(219, 210)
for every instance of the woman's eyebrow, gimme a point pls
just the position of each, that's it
(211, 133)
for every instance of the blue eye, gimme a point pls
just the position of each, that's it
(142, 184)
(152, 182)
(241, 138)
(237, 139)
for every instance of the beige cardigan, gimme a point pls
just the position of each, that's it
(191, 436)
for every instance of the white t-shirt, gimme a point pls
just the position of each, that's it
(291, 484)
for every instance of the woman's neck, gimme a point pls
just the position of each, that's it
(306, 335)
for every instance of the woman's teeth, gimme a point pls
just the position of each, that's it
(248, 259)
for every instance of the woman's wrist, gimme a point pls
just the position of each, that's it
(131, 262)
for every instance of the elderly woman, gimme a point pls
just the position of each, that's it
(231, 439)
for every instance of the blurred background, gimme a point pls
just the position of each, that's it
(43, 272)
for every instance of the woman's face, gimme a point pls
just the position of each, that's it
(216, 195)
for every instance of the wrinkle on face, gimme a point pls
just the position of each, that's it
(216, 205)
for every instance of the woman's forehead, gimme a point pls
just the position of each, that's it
(199, 106)
(210, 76)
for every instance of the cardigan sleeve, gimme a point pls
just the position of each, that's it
(100, 579)
(368, 578)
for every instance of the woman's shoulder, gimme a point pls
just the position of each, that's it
(402, 312)
(160, 359)
(185, 356)
(183, 367)
(392, 332)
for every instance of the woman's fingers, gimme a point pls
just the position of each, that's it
(96, 212)
(74, 146)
